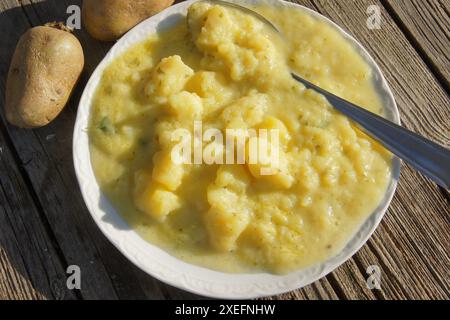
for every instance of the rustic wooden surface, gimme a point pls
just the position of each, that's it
(45, 226)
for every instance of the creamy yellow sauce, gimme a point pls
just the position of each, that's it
(228, 70)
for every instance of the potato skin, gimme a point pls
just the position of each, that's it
(45, 68)
(108, 20)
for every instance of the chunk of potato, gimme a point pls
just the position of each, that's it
(164, 130)
(167, 78)
(212, 87)
(152, 199)
(186, 106)
(229, 213)
(196, 16)
(233, 177)
(246, 112)
(309, 178)
(226, 219)
(206, 83)
(210, 25)
(265, 162)
(166, 172)
(217, 32)
(162, 203)
(261, 233)
(272, 123)
(224, 227)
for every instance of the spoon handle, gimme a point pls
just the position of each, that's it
(427, 157)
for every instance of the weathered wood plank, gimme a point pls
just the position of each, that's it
(414, 239)
(416, 224)
(30, 267)
(426, 24)
(13, 284)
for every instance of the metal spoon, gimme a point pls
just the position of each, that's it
(425, 156)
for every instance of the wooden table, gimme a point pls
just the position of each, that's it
(45, 226)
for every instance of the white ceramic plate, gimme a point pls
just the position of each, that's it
(162, 265)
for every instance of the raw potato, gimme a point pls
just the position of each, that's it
(44, 70)
(108, 20)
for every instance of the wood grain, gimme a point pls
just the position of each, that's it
(426, 23)
(29, 146)
(411, 245)
(30, 267)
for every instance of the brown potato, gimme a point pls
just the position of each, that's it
(45, 68)
(108, 20)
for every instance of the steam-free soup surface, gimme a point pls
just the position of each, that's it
(228, 70)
